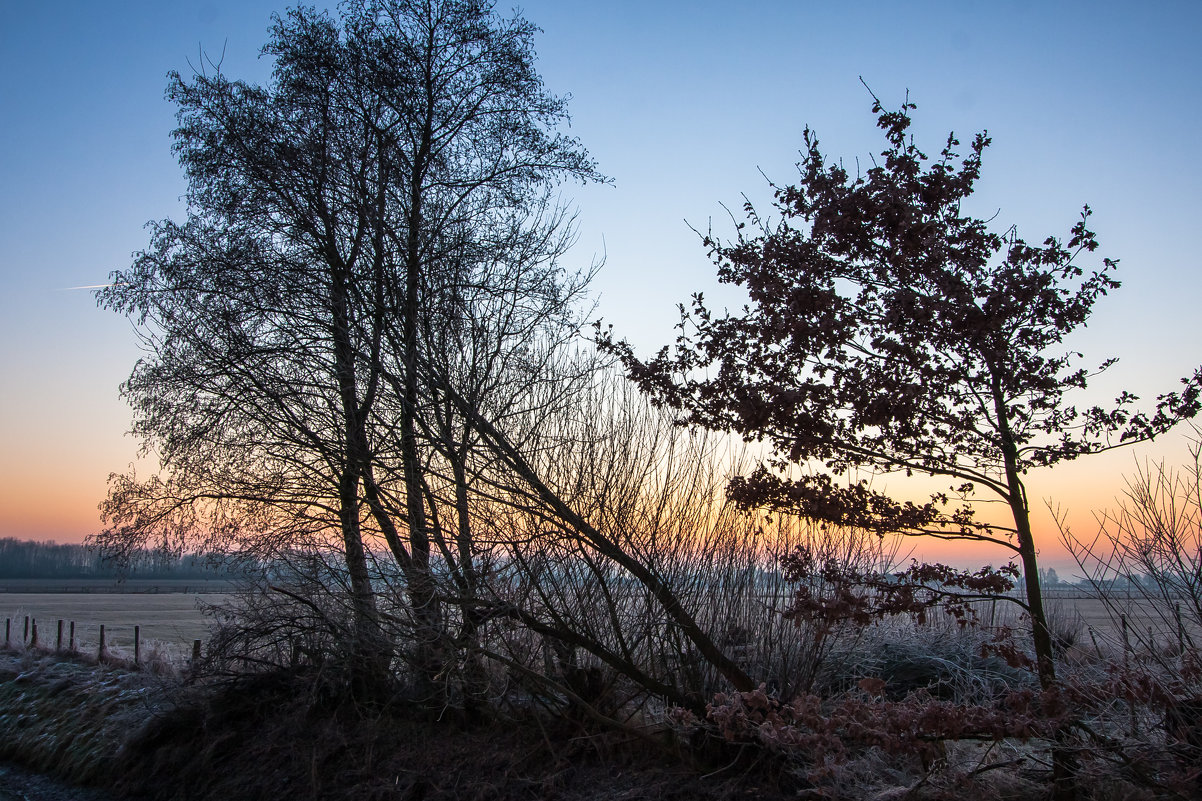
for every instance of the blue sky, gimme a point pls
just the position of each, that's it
(682, 104)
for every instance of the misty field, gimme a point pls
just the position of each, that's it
(173, 619)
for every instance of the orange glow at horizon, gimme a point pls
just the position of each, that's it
(64, 511)
(53, 486)
(62, 506)
(54, 496)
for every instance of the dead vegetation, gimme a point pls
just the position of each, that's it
(899, 711)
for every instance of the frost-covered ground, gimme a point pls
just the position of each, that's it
(18, 784)
(68, 717)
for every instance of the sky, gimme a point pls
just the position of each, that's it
(687, 107)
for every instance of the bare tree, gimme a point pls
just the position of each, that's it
(327, 211)
(1146, 559)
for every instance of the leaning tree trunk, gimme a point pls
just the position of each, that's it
(608, 548)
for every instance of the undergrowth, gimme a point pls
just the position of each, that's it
(910, 713)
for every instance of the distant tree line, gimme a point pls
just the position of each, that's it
(49, 560)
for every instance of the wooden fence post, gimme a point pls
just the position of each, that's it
(1180, 629)
(25, 636)
(1095, 641)
(71, 646)
(1126, 669)
(194, 663)
(33, 640)
(100, 651)
(137, 645)
(8, 631)
(58, 644)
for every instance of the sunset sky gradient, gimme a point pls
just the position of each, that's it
(683, 104)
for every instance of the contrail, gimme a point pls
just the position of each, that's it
(90, 286)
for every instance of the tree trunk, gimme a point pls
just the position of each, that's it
(607, 548)
(469, 635)
(1064, 762)
(423, 595)
(369, 657)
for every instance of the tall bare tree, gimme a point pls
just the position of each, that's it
(327, 212)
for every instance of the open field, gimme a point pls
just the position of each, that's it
(151, 586)
(169, 613)
(170, 618)
(1086, 619)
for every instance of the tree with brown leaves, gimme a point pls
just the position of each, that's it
(887, 332)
